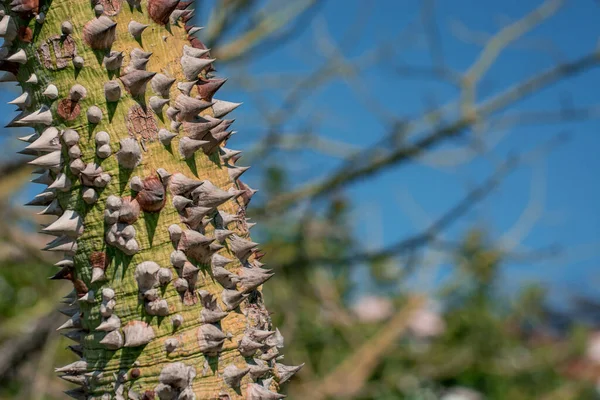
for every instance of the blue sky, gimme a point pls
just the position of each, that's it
(400, 201)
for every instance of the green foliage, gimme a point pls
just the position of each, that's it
(501, 347)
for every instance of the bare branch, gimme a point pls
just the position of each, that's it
(371, 161)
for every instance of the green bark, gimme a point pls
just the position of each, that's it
(151, 212)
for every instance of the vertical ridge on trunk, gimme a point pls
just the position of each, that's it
(129, 140)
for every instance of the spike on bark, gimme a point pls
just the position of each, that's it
(95, 164)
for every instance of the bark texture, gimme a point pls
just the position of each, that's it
(130, 143)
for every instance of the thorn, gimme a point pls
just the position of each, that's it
(232, 298)
(138, 333)
(29, 138)
(236, 172)
(78, 62)
(177, 257)
(72, 323)
(180, 203)
(130, 154)
(161, 84)
(20, 57)
(100, 33)
(136, 80)
(226, 219)
(62, 183)
(77, 93)
(225, 278)
(136, 28)
(112, 323)
(113, 340)
(222, 108)
(52, 161)
(76, 367)
(247, 347)
(207, 88)
(189, 107)
(43, 199)
(187, 146)
(200, 126)
(62, 243)
(192, 66)
(284, 372)
(222, 234)
(157, 104)
(208, 195)
(181, 185)
(186, 87)
(163, 175)
(33, 79)
(48, 141)
(112, 91)
(191, 51)
(194, 30)
(160, 10)
(42, 116)
(70, 224)
(242, 248)
(65, 273)
(88, 297)
(258, 392)
(210, 339)
(94, 115)
(51, 92)
(233, 375)
(23, 101)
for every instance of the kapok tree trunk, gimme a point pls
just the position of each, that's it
(129, 139)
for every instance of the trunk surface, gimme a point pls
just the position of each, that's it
(151, 213)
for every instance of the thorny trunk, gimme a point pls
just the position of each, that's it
(151, 214)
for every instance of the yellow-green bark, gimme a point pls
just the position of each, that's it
(135, 371)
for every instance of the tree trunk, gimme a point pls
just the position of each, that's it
(151, 212)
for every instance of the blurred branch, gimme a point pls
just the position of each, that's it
(12, 176)
(545, 117)
(416, 71)
(531, 214)
(431, 233)
(27, 244)
(496, 129)
(467, 35)
(225, 15)
(453, 214)
(351, 375)
(549, 252)
(371, 161)
(432, 34)
(309, 141)
(15, 351)
(268, 23)
(334, 65)
(507, 35)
